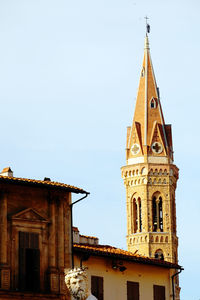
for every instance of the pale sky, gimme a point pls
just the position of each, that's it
(69, 72)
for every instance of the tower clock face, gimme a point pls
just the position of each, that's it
(157, 147)
(135, 149)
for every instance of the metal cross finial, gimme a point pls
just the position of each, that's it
(147, 25)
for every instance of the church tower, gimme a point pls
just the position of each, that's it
(150, 175)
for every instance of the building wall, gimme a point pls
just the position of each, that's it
(115, 282)
(46, 213)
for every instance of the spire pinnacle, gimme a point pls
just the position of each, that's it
(148, 131)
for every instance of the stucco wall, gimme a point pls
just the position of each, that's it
(115, 281)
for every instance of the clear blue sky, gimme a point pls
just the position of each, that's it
(69, 73)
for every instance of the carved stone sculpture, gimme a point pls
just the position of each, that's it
(77, 283)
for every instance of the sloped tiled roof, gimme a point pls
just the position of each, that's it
(42, 183)
(112, 252)
(88, 236)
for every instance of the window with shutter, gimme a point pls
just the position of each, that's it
(132, 290)
(97, 287)
(158, 292)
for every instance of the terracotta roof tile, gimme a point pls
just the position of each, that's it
(42, 183)
(109, 251)
(7, 169)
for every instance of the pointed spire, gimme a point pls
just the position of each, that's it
(146, 43)
(145, 136)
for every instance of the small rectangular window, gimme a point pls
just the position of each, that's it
(158, 292)
(97, 287)
(133, 290)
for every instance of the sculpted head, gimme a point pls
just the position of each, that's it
(77, 283)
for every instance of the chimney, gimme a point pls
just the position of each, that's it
(47, 179)
(7, 172)
(76, 235)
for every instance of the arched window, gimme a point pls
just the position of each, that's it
(144, 171)
(154, 214)
(140, 215)
(153, 103)
(160, 214)
(157, 213)
(134, 215)
(142, 72)
(159, 254)
(136, 212)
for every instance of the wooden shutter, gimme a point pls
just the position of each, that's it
(22, 269)
(36, 269)
(22, 264)
(29, 261)
(159, 292)
(34, 241)
(97, 287)
(32, 269)
(132, 290)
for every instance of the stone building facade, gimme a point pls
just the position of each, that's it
(35, 237)
(150, 175)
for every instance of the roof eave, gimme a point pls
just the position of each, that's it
(41, 184)
(135, 259)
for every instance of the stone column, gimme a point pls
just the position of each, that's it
(53, 271)
(128, 212)
(3, 231)
(5, 270)
(145, 210)
(67, 232)
(61, 244)
(60, 235)
(52, 240)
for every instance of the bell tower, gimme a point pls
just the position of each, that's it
(150, 176)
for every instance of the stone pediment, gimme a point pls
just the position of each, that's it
(29, 214)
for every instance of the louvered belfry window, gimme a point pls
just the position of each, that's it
(29, 261)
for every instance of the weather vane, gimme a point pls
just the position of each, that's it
(147, 26)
